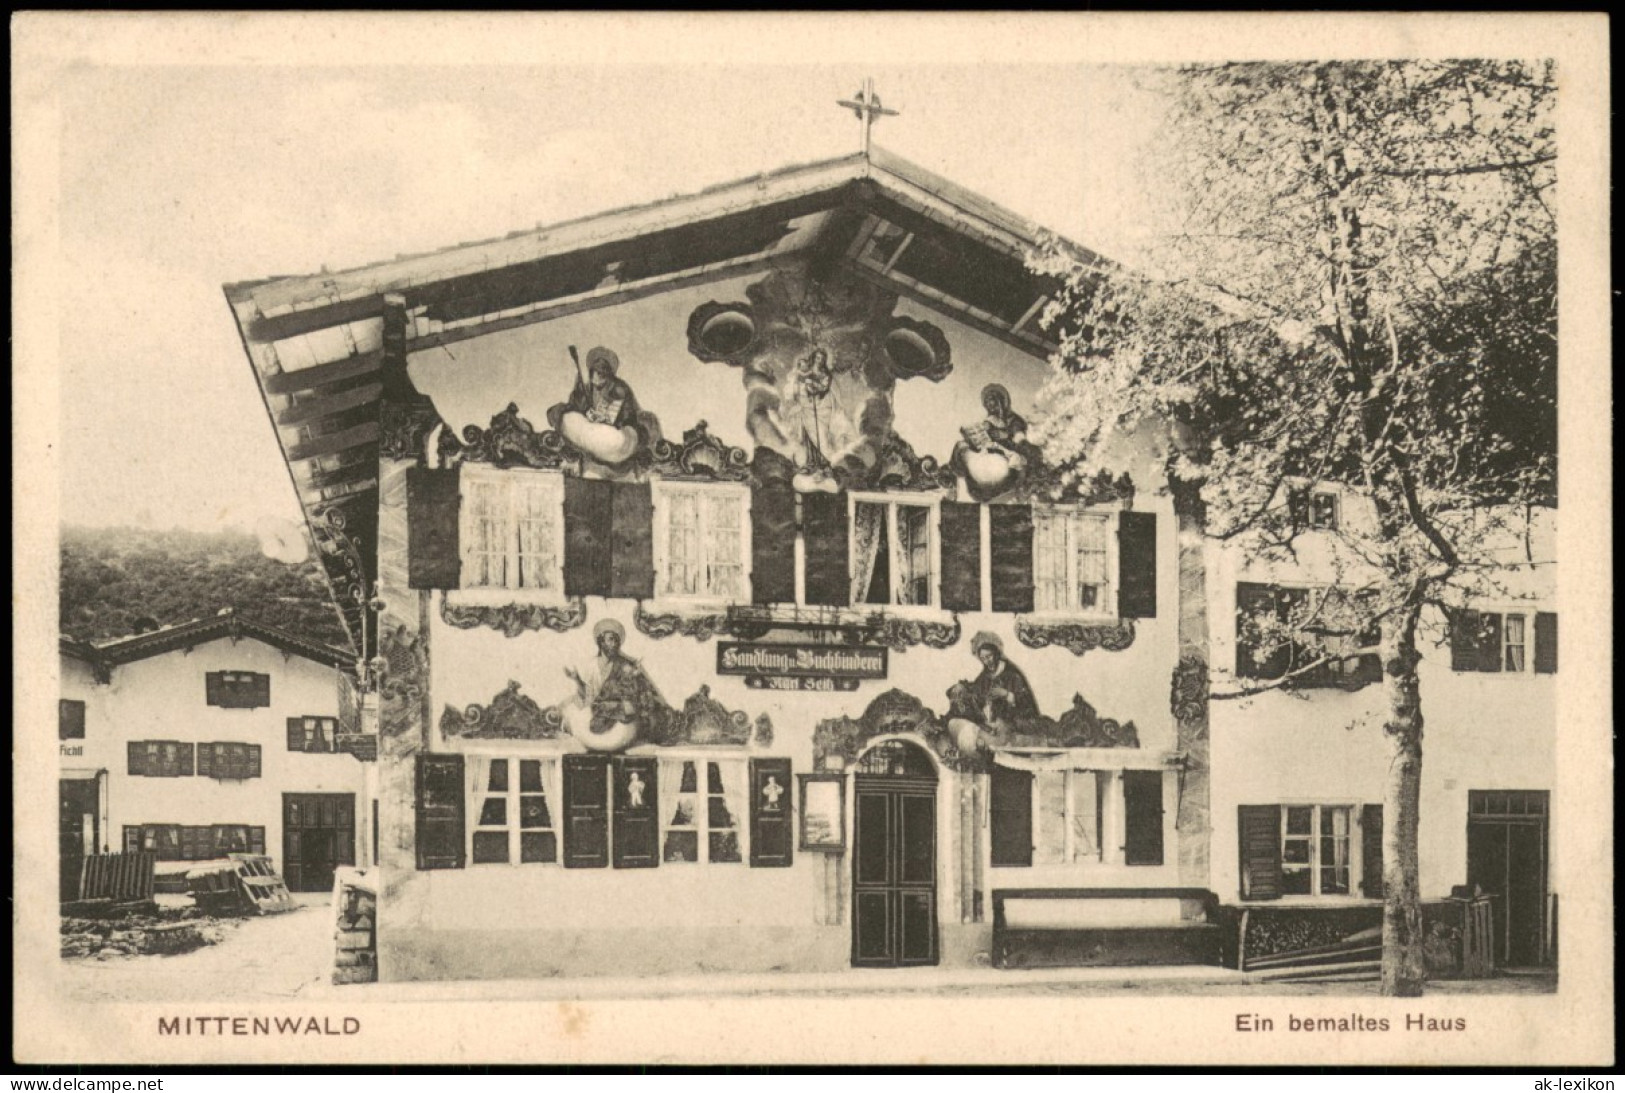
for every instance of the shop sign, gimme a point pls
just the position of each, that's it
(814, 662)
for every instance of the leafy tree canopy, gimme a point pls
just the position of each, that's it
(114, 578)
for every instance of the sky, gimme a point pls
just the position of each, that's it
(176, 180)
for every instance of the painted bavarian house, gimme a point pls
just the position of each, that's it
(724, 616)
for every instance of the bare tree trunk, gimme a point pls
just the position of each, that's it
(1404, 968)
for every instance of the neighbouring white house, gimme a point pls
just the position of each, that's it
(1299, 775)
(210, 737)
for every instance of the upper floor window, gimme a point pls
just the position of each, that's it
(1315, 509)
(893, 551)
(312, 734)
(1316, 636)
(70, 723)
(233, 761)
(160, 758)
(700, 541)
(1503, 641)
(1072, 561)
(512, 530)
(237, 690)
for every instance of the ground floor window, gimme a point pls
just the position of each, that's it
(511, 820)
(701, 818)
(194, 842)
(1310, 849)
(1074, 816)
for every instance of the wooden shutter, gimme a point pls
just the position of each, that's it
(961, 556)
(1545, 644)
(1142, 817)
(296, 734)
(70, 719)
(440, 819)
(212, 689)
(632, 557)
(1010, 542)
(770, 812)
(824, 527)
(637, 823)
(1137, 565)
(186, 765)
(138, 757)
(1253, 600)
(773, 543)
(205, 760)
(253, 760)
(132, 838)
(586, 812)
(1371, 851)
(1260, 838)
(256, 840)
(1464, 640)
(1010, 806)
(1297, 505)
(260, 688)
(434, 555)
(1489, 642)
(589, 506)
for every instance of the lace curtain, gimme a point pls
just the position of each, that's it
(868, 529)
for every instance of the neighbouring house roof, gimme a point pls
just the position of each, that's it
(323, 360)
(104, 656)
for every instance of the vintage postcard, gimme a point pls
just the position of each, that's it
(812, 539)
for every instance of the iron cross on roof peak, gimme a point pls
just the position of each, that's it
(866, 105)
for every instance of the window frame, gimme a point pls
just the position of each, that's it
(890, 500)
(1526, 615)
(236, 689)
(511, 483)
(1111, 831)
(702, 794)
(513, 797)
(1109, 594)
(1356, 837)
(245, 760)
(330, 725)
(1337, 671)
(661, 492)
(163, 772)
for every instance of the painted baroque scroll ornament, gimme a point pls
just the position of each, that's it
(1189, 696)
(513, 619)
(508, 716)
(900, 633)
(701, 455)
(892, 713)
(700, 627)
(820, 359)
(1075, 637)
(403, 430)
(511, 441)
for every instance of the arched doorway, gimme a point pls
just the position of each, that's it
(894, 859)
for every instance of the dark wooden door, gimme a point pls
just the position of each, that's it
(79, 827)
(1506, 858)
(318, 836)
(894, 876)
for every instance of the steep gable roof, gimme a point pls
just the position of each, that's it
(105, 656)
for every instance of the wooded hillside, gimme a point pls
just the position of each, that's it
(112, 577)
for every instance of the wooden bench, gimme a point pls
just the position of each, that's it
(1119, 933)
